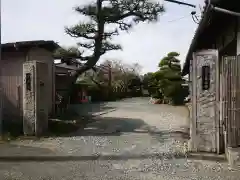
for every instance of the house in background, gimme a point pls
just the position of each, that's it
(62, 77)
(213, 66)
(27, 84)
(63, 74)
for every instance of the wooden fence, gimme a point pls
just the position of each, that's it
(230, 69)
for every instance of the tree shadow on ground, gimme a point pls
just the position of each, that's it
(96, 126)
(112, 126)
(88, 109)
(102, 126)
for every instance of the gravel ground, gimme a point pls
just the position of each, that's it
(136, 140)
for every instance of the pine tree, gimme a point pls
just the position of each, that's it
(93, 34)
(170, 79)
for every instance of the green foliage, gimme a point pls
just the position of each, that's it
(166, 83)
(67, 53)
(150, 83)
(173, 54)
(112, 80)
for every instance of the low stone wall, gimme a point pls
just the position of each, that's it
(233, 157)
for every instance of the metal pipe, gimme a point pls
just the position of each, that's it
(225, 11)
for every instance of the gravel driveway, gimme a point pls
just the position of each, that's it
(130, 139)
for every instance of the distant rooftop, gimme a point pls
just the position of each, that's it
(14, 46)
(70, 67)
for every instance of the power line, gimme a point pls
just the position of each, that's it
(174, 20)
(181, 3)
(183, 17)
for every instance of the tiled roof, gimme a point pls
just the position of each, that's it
(11, 46)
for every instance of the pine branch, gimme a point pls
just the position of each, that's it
(88, 10)
(141, 10)
(69, 55)
(124, 26)
(110, 34)
(84, 30)
(107, 46)
(86, 45)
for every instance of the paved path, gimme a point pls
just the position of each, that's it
(131, 139)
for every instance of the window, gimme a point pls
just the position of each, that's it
(28, 81)
(205, 77)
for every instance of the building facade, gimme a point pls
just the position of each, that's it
(12, 79)
(213, 68)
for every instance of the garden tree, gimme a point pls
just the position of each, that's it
(170, 80)
(147, 80)
(103, 73)
(114, 76)
(93, 35)
(150, 83)
(135, 86)
(123, 74)
(136, 68)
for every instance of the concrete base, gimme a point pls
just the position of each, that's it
(191, 146)
(233, 157)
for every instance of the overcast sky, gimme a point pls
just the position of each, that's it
(146, 44)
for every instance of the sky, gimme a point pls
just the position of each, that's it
(146, 44)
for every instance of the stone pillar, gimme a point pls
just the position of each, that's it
(35, 103)
(29, 106)
(206, 103)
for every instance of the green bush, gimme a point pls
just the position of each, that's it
(178, 97)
